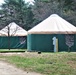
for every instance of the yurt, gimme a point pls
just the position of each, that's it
(13, 37)
(51, 35)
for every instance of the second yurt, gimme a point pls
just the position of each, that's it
(13, 37)
(53, 32)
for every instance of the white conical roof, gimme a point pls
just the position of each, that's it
(53, 25)
(14, 30)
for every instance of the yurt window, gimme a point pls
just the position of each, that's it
(22, 40)
(69, 40)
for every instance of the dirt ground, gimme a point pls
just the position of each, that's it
(7, 69)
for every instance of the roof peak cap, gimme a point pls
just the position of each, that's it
(54, 15)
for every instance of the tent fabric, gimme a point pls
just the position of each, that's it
(44, 42)
(14, 30)
(53, 25)
(13, 42)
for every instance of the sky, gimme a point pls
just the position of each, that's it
(2, 1)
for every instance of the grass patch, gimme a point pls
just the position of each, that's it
(12, 50)
(45, 63)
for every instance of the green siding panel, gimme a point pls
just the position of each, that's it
(44, 42)
(16, 42)
(62, 43)
(40, 42)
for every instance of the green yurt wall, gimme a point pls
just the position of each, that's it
(44, 42)
(40, 42)
(16, 42)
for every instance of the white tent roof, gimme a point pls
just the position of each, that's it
(14, 30)
(53, 25)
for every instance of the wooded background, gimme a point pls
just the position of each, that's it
(27, 15)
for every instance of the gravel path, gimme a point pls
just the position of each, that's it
(7, 69)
